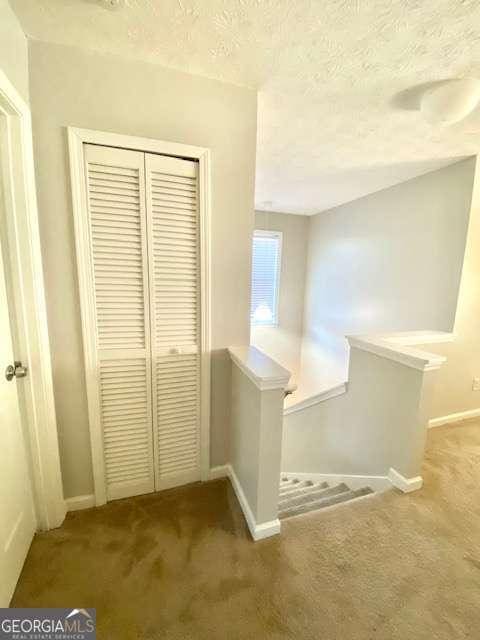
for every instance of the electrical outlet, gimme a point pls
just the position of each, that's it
(476, 384)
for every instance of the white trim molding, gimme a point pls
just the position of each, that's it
(327, 394)
(397, 347)
(453, 418)
(31, 340)
(418, 337)
(257, 531)
(264, 372)
(407, 485)
(76, 139)
(221, 471)
(80, 502)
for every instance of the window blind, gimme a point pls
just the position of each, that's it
(266, 263)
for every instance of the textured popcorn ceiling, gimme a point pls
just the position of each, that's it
(332, 126)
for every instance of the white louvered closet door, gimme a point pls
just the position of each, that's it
(173, 245)
(117, 225)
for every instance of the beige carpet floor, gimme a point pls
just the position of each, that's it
(181, 565)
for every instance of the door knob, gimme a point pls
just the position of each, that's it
(16, 370)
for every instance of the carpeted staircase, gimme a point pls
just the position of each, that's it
(301, 496)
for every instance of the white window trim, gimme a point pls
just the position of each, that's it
(264, 233)
(76, 139)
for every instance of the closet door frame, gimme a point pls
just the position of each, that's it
(76, 139)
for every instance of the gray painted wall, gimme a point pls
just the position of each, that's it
(13, 50)
(255, 443)
(284, 342)
(75, 87)
(453, 392)
(380, 422)
(388, 262)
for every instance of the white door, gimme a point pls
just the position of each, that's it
(117, 228)
(173, 250)
(142, 310)
(17, 514)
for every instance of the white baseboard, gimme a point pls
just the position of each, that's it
(218, 472)
(454, 417)
(266, 529)
(258, 531)
(377, 483)
(80, 502)
(405, 484)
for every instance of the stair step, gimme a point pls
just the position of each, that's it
(314, 505)
(308, 494)
(289, 483)
(300, 490)
(286, 489)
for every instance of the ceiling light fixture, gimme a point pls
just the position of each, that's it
(450, 101)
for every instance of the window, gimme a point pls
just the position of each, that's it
(266, 265)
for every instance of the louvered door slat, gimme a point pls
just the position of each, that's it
(143, 229)
(117, 218)
(173, 228)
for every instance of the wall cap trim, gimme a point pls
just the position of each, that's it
(397, 347)
(264, 372)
